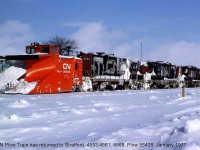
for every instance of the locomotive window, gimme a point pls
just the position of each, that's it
(159, 68)
(70, 53)
(86, 58)
(134, 65)
(76, 66)
(110, 66)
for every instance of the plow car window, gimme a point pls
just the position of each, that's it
(30, 50)
(54, 50)
(45, 50)
(76, 66)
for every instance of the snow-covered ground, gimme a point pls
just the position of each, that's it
(105, 120)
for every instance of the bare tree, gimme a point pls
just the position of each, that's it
(62, 42)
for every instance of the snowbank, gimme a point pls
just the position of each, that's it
(147, 76)
(10, 118)
(159, 117)
(19, 104)
(192, 126)
(10, 75)
(185, 128)
(22, 87)
(87, 84)
(181, 78)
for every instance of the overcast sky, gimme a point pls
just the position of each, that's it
(169, 29)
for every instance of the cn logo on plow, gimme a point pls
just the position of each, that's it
(66, 66)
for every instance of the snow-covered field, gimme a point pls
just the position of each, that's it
(105, 120)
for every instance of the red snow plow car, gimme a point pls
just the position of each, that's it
(51, 69)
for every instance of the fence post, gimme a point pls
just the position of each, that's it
(183, 91)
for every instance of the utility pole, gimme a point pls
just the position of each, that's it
(141, 53)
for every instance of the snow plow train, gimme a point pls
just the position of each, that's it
(49, 69)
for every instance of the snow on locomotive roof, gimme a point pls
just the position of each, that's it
(143, 63)
(101, 54)
(163, 62)
(160, 62)
(112, 55)
(36, 53)
(132, 60)
(189, 66)
(62, 56)
(97, 53)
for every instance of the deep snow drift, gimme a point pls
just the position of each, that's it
(9, 81)
(10, 75)
(105, 120)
